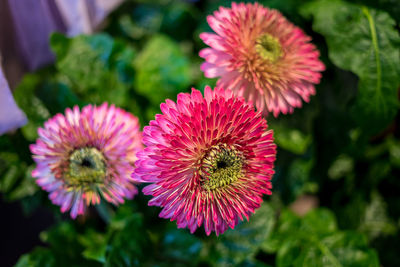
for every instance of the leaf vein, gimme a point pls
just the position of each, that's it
(376, 49)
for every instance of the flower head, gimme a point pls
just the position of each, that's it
(84, 155)
(260, 55)
(209, 160)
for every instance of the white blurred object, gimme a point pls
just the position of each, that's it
(84, 16)
(35, 20)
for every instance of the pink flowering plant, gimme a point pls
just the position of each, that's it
(209, 160)
(260, 55)
(83, 156)
(208, 133)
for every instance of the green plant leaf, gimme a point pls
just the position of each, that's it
(390, 6)
(242, 243)
(179, 245)
(62, 238)
(292, 140)
(375, 221)
(128, 241)
(162, 70)
(315, 241)
(27, 186)
(97, 67)
(299, 178)
(394, 151)
(9, 171)
(64, 249)
(319, 221)
(32, 105)
(350, 248)
(57, 96)
(39, 257)
(16, 181)
(365, 42)
(95, 245)
(341, 167)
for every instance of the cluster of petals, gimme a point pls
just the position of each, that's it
(274, 86)
(177, 141)
(109, 130)
(208, 160)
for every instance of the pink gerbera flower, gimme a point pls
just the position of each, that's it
(261, 56)
(209, 160)
(83, 156)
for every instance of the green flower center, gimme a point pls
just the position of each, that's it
(269, 47)
(221, 166)
(86, 167)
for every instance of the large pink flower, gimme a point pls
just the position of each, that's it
(209, 160)
(83, 156)
(261, 56)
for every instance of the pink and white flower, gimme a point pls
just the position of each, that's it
(209, 160)
(85, 155)
(260, 55)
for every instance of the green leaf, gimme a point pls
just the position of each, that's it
(319, 222)
(60, 45)
(122, 61)
(95, 245)
(242, 243)
(97, 67)
(162, 70)
(128, 242)
(375, 221)
(39, 257)
(287, 221)
(179, 15)
(64, 249)
(27, 186)
(394, 151)
(16, 181)
(57, 96)
(315, 241)
(341, 167)
(180, 245)
(299, 178)
(147, 20)
(292, 140)
(365, 42)
(9, 171)
(59, 236)
(34, 108)
(350, 248)
(390, 6)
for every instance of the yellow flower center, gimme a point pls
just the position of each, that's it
(221, 166)
(269, 47)
(86, 168)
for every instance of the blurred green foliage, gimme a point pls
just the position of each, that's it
(365, 42)
(81, 58)
(314, 240)
(342, 148)
(162, 70)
